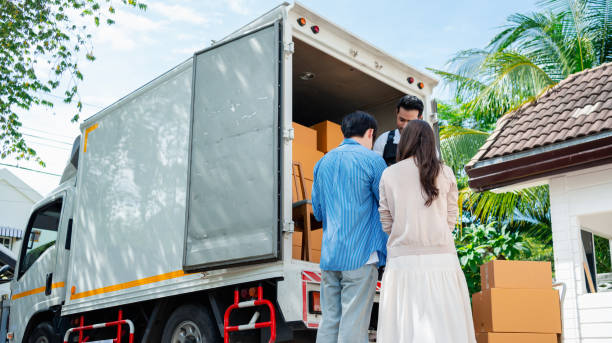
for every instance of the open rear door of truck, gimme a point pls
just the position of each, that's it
(233, 194)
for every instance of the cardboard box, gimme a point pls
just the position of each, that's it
(329, 135)
(516, 274)
(316, 237)
(305, 136)
(518, 310)
(493, 337)
(297, 254)
(308, 157)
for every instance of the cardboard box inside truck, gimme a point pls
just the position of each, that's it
(494, 337)
(308, 157)
(517, 310)
(304, 136)
(316, 237)
(329, 135)
(516, 274)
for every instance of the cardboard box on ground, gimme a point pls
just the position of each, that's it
(517, 301)
(491, 337)
(517, 310)
(309, 146)
(515, 274)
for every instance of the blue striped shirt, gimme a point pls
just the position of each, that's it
(345, 198)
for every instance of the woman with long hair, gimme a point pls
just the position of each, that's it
(424, 297)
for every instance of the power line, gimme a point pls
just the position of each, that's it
(49, 146)
(84, 103)
(47, 132)
(47, 139)
(32, 170)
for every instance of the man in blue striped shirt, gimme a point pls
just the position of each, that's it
(345, 198)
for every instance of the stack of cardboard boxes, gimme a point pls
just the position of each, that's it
(309, 145)
(517, 303)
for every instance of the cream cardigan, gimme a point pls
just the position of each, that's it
(413, 228)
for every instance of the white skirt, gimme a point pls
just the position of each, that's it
(424, 299)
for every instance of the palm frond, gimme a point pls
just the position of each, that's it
(458, 145)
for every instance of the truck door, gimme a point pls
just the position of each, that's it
(37, 284)
(233, 195)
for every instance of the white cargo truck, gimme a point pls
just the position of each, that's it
(173, 218)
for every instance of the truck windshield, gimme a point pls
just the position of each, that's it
(41, 234)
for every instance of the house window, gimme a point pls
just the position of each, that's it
(7, 242)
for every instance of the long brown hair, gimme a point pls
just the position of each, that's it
(418, 141)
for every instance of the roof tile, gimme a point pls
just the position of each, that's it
(561, 113)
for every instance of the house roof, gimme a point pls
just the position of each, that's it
(20, 186)
(8, 231)
(557, 124)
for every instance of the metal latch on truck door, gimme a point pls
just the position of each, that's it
(288, 134)
(288, 226)
(289, 48)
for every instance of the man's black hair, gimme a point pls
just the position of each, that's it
(411, 102)
(357, 123)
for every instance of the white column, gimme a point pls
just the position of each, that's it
(568, 257)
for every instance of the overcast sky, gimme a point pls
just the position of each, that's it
(142, 45)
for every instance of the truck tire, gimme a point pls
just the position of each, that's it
(43, 333)
(190, 324)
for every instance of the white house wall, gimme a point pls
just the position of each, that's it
(572, 195)
(16, 200)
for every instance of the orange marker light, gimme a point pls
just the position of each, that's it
(421, 85)
(301, 21)
(72, 290)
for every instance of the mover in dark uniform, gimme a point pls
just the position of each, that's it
(408, 108)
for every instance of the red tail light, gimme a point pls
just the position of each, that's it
(314, 303)
(315, 29)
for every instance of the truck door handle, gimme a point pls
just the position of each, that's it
(49, 283)
(68, 235)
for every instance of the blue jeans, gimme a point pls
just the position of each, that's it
(346, 302)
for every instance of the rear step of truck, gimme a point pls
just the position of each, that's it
(118, 323)
(252, 325)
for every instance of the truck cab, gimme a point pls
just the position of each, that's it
(39, 281)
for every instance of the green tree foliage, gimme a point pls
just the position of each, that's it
(532, 53)
(526, 210)
(479, 244)
(602, 255)
(44, 34)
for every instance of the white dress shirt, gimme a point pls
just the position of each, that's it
(381, 141)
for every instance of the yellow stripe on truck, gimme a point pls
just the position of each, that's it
(87, 131)
(130, 284)
(36, 290)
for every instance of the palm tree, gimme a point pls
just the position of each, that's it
(524, 210)
(532, 53)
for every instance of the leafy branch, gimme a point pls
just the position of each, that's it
(39, 36)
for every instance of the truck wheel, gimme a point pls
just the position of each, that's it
(42, 333)
(190, 324)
